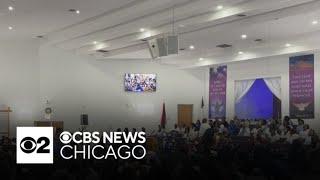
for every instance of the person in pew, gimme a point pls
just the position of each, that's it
(265, 129)
(215, 124)
(304, 132)
(292, 136)
(204, 127)
(182, 129)
(233, 128)
(254, 132)
(244, 130)
(194, 133)
(315, 140)
(207, 139)
(287, 122)
(275, 136)
(198, 125)
(175, 132)
(222, 129)
(186, 133)
(225, 123)
(300, 126)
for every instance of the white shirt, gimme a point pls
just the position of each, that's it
(292, 137)
(203, 128)
(244, 131)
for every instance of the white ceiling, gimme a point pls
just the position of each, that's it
(115, 25)
(40, 17)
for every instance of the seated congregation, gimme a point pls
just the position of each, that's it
(238, 149)
(259, 131)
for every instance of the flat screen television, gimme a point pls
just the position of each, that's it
(140, 82)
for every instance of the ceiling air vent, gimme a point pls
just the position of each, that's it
(102, 51)
(224, 45)
(241, 15)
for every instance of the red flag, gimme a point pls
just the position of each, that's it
(163, 116)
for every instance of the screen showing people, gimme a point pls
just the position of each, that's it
(140, 82)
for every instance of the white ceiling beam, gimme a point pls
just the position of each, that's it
(304, 43)
(136, 10)
(131, 27)
(221, 26)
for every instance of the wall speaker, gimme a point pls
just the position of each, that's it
(162, 46)
(173, 44)
(153, 48)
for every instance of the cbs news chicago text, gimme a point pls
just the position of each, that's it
(35, 145)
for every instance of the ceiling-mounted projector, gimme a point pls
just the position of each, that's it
(163, 46)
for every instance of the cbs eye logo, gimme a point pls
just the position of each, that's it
(65, 137)
(34, 145)
(29, 145)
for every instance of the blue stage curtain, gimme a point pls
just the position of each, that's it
(258, 103)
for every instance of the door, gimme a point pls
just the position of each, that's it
(185, 114)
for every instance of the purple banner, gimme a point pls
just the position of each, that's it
(217, 92)
(301, 91)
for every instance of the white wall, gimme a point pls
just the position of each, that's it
(29, 76)
(270, 67)
(19, 82)
(70, 82)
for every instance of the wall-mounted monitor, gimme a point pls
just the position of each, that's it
(140, 82)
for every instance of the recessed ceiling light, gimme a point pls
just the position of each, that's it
(240, 52)
(10, 8)
(314, 22)
(142, 30)
(95, 42)
(244, 36)
(219, 7)
(288, 45)
(10, 27)
(191, 47)
(201, 59)
(74, 11)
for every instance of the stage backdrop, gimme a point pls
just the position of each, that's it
(301, 89)
(217, 92)
(258, 98)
